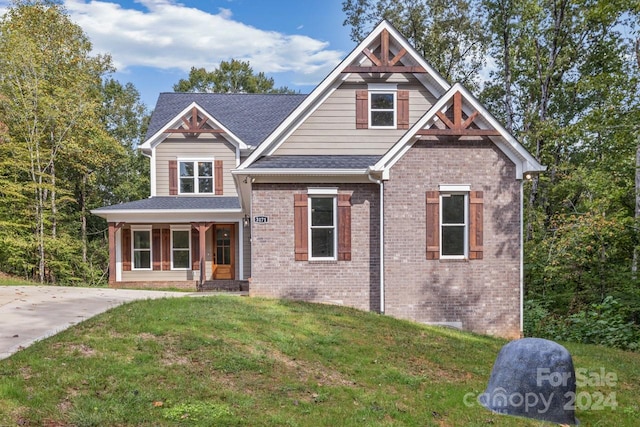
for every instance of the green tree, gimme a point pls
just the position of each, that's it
(50, 94)
(230, 77)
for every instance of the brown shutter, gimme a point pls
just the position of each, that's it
(173, 177)
(218, 177)
(156, 248)
(166, 249)
(433, 225)
(344, 227)
(126, 249)
(403, 109)
(476, 219)
(301, 227)
(362, 109)
(195, 249)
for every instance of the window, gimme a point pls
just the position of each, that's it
(322, 227)
(453, 225)
(196, 177)
(382, 109)
(180, 249)
(142, 249)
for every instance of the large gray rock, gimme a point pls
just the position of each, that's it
(533, 378)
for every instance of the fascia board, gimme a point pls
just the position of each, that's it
(330, 82)
(266, 172)
(160, 136)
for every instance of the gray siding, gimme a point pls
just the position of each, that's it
(331, 129)
(179, 147)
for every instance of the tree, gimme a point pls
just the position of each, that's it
(50, 92)
(448, 34)
(231, 77)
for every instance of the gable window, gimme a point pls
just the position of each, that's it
(196, 177)
(454, 223)
(322, 227)
(141, 252)
(382, 109)
(180, 249)
(382, 106)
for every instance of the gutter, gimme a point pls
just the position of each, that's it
(381, 185)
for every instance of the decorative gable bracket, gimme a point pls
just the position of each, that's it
(386, 63)
(193, 126)
(459, 126)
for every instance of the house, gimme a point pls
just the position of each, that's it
(386, 189)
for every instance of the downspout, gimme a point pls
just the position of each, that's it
(381, 185)
(521, 257)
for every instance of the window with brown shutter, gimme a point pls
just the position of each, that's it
(126, 249)
(344, 227)
(476, 227)
(403, 109)
(173, 177)
(155, 246)
(446, 224)
(362, 109)
(219, 174)
(300, 221)
(433, 224)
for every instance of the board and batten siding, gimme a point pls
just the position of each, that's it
(192, 148)
(331, 128)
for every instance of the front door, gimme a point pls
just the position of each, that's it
(223, 252)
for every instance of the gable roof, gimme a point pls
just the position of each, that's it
(250, 117)
(430, 78)
(515, 151)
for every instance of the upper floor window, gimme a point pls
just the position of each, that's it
(382, 109)
(196, 177)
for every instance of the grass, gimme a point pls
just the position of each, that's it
(232, 361)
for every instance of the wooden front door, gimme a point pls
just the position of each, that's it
(223, 252)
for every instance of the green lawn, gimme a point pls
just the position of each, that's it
(227, 360)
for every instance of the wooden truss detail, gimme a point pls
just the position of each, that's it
(458, 127)
(385, 64)
(193, 127)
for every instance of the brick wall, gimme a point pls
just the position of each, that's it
(275, 273)
(481, 295)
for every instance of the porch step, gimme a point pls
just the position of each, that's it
(225, 285)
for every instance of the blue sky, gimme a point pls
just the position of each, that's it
(154, 43)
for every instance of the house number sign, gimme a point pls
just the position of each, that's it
(260, 219)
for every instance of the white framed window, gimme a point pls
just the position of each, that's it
(195, 176)
(323, 220)
(454, 224)
(180, 248)
(141, 248)
(383, 106)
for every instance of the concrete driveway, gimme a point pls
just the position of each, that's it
(31, 313)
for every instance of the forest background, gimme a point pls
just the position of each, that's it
(563, 76)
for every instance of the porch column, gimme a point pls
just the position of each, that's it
(113, 227)
(202, 229)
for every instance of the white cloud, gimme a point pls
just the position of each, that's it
(169, 35)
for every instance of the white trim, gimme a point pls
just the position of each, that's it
(382, 87)
(334, 226)
(180, 227)
(161, 135)
(449, 188)
(323, 191)
(152, 171)
(134, 229)
(119, 255)
(241, 248)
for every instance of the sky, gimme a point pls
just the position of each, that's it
(154, 43)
